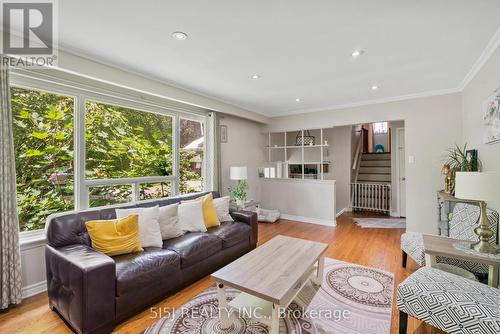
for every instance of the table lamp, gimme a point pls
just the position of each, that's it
(238, 173)
(479, 187)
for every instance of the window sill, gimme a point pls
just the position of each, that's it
(32, 239)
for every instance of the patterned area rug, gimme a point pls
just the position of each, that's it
(352, 299)
(380, 222)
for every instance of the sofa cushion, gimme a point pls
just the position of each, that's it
(134, 271)
(194, 247)
(69, 228)
(231, 233)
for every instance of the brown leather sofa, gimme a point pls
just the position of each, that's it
(92, 292)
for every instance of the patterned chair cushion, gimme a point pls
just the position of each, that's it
(465, 219)
(462, 226)
(413, 245)
(449, 302)
(473, 267)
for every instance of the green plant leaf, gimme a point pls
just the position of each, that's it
(54, 113)
(24, 114)
(33, 153)
(39, 135)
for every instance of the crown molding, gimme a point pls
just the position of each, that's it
(488, 51)
(371, 102)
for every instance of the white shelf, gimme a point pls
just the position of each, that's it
(307, 163)
(305, 146)
(281, 149)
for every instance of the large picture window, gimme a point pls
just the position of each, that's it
(75, 152)
(122, 142)
(43, 143)
(192, 155)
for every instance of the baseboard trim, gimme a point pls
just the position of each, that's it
(34, 289)
(394, 214)
(325, 222)
(341, 212)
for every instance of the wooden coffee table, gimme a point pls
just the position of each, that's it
(269, 278)
(443, 246)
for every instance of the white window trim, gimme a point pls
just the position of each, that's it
(81, 96)
(380, 128)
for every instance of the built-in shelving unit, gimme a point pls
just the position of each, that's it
(300, 154)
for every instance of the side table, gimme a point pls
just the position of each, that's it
(443, 246)
(250, 205)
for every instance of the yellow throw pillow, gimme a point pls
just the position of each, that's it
(115, 237)
(209, 212)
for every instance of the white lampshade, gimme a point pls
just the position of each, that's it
(481, 186)
(238, 173)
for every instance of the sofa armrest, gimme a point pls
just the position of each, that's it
(250, 218)
(81, 286)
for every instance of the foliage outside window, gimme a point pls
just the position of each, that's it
(43, 143)
(192, 148)
(155, 190)
(120, 143)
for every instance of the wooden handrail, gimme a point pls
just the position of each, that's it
(359, 147)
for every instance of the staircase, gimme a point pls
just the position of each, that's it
(370, 179)
(375, 168)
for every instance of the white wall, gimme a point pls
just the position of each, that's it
(245, 147)
(338, 153)
(432, 124)
(311, 201)
(33, 267)
(380, 138)
(483, 85)
(339, 139)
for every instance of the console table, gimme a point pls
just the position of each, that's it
(445, 205)
(443, 246)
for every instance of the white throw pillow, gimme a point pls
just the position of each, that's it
(190, 216)
(222, 207)
(149, 228)
(169, 222)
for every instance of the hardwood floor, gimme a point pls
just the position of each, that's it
(379, 248)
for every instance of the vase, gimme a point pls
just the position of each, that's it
(240, 202)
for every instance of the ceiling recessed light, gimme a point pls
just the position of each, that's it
(255, 76)
(374, 87)
(357, 53)
(179, 35)
(297, 100)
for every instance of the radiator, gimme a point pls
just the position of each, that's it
(371, 196)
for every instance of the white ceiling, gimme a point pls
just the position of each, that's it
(302, 49)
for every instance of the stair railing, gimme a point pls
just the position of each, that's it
(371, 197)
(357, 157)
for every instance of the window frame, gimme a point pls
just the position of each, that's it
(204, 166)
(384, 128)
(80, 96)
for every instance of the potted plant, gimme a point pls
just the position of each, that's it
(462, 160)
(239, 193)
(459, 159)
